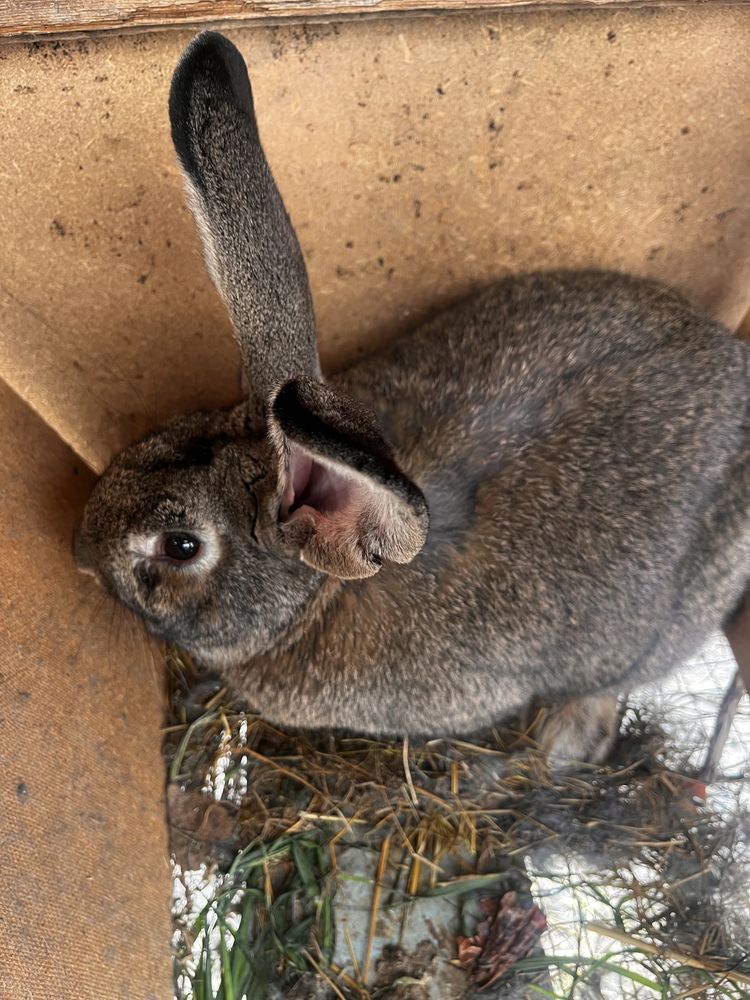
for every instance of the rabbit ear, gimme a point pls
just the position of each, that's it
(345, 504)
(250, 247)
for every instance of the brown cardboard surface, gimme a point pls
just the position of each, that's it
(419, 158)
(85, 882)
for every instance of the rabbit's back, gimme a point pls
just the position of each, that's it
(500, 361)
(582, 439)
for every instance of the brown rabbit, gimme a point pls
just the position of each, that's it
(580, 441)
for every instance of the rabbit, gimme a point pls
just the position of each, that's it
(538, 497)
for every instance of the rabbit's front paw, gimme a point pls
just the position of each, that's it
(583, 729)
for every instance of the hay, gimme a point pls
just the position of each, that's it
(275, 832)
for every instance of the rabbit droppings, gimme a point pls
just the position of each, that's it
(539, 497)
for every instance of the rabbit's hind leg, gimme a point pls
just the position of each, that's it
(582, 729)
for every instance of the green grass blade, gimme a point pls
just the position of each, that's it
(179, 754)
(467, 883)
(227, 976)
(305, 869)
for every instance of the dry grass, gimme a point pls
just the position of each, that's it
(259, 817)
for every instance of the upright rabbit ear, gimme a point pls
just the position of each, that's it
(345, 505)
(250, 247)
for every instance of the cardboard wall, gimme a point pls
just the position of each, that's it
(419, 158)
(84, 908)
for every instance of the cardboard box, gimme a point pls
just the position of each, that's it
(419, 159)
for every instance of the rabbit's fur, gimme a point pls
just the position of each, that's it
(580, 440)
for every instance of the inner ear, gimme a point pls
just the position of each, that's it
(316, 485)
(345, 505)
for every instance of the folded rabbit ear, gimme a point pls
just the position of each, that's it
(345, 504)
(249, 245)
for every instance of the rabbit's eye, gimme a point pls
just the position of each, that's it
(180, 546)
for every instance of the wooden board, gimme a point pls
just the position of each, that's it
(20, 18)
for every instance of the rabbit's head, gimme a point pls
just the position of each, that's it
(218, 528)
